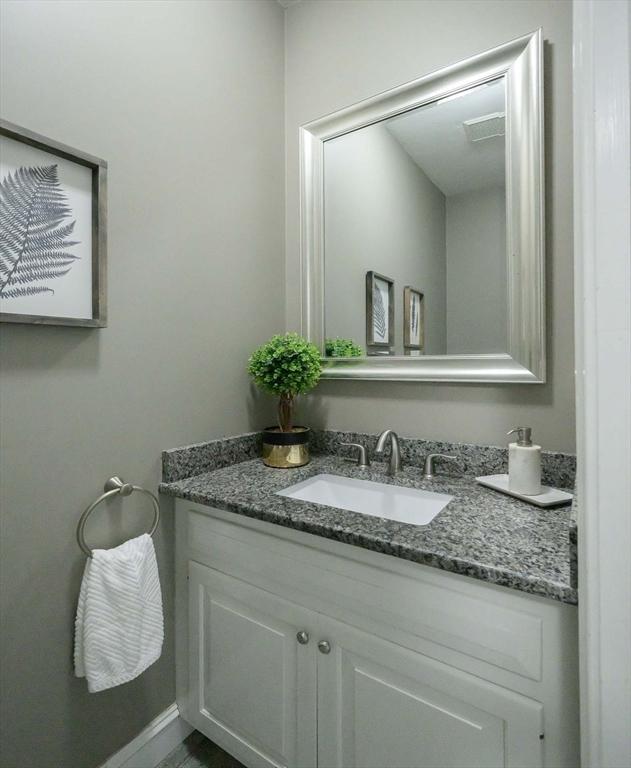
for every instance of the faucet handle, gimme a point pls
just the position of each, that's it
(428, 468)
(362, 455)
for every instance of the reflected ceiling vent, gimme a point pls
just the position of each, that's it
(485, 127)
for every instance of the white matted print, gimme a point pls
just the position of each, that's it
(379, 310)
(49, 218)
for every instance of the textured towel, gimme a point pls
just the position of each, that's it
(119, 627)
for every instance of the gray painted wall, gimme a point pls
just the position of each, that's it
(185, 101)
(477, 291)
(381, 213)
(338, 53)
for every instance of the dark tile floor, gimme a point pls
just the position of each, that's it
(198, 752)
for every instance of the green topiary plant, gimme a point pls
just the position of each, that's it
(342, 348)
(286, 366)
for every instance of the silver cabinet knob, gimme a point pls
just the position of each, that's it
(324, 646)
(302, 637)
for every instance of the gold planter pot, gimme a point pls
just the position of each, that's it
(286, 449)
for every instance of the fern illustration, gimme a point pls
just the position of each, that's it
(379, 315)
(33, 235)
(414, 316)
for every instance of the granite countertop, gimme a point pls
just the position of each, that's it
(480, 533)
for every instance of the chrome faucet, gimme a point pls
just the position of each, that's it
(394, 464)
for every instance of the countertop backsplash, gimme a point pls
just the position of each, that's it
(195, 459)
(558, 469)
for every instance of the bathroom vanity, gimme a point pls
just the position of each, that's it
(311, 635)
(314, 636)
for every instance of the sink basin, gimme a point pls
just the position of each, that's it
(405, 505)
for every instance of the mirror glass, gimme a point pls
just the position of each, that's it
(415, 254)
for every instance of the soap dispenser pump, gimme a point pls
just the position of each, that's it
(524, 463)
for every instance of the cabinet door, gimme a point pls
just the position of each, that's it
(253, 684)
(383, 706)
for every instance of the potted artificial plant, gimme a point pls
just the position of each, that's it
(286, 366)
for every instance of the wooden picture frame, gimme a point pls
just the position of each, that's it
(413, 320)
(379, 317)
(60, 248)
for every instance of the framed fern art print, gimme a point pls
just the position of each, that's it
(53, 212)
(413, 321)
(379, 314)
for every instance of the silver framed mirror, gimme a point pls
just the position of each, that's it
(474, 134)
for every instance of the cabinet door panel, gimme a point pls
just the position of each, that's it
(253, 684)
(249, 674)
(401, 723)
(383, 706)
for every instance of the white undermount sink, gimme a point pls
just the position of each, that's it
(405, 505)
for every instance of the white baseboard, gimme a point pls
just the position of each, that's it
(154, 743)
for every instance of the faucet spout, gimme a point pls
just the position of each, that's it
(394, 465)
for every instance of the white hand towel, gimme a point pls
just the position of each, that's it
(119, 628)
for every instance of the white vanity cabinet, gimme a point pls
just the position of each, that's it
(382, 705)
(252, 684)
(294, 650)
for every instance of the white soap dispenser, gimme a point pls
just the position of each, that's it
(524, 464)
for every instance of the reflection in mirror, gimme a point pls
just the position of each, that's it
(420, 197)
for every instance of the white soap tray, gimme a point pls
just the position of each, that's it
(549, 497)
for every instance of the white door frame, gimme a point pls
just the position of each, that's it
(602, 232)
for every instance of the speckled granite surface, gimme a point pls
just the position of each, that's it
(574, 542)
(190, 460)
(557, 469)
(481, 533)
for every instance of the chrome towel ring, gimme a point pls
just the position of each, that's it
(113, 486)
